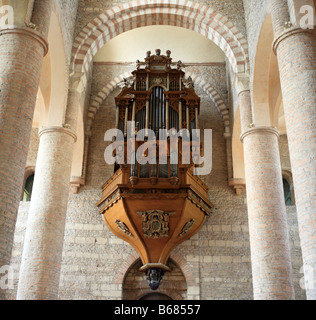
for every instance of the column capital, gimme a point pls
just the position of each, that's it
(242, 82)
(267, 130)
(287, 33)
(58, 129)
(25, 31)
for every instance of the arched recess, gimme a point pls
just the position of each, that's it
(135, 285)
(30, 170)
(181, 13)
(59, 83)
(41, 109)
(260, 105)
(267, 96)
(53, 88)
(175, 259)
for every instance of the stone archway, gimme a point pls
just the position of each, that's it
(185, 14)
(135, 285)
(181, 270)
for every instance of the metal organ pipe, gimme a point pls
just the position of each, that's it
(188, 117)
(126, 119)
(197, 120)
(147, 115)
(180, 116)
(167, 115)
(117, 117)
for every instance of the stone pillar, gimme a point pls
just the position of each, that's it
(21, 54)
(296, 52)
(42, 253)
(269, 238)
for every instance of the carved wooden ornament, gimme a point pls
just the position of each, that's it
(155, 223)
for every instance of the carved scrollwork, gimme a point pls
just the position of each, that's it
(187, 227)
(155, 223)
(123, 227)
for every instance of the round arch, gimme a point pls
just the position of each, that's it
(175, 257)
(135, 285)
(181, 13)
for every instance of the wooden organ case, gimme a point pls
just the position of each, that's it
(157, 205)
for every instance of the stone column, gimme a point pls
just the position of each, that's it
(42, 253)
(21, 54)
(296, 52)
(269, 238)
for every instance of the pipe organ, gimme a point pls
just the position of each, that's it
(158, 204)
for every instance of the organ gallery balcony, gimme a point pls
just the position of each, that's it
(154, 201)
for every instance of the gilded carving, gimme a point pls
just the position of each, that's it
(155, 223)
(123, 227)
(158, 81)
(187, 227)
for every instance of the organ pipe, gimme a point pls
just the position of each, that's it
(126, 119)
(117, 117)
(167, 115)
(188, 117)
(180, 116)
(197, 121)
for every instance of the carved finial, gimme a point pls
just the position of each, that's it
(189, 83)
(168, 53)
(125, 83)
(148, 54)
(158, 52)
(137, 64)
